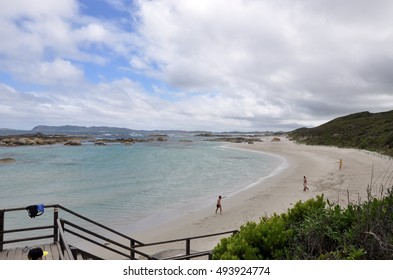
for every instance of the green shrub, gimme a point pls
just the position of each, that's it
(370, 131)
(265, 240)
(316, 229)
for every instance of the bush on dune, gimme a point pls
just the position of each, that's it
(317, 229)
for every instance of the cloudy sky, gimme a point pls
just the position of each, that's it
(213, 65)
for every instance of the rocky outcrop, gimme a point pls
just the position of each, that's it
(100, 143)
(41, 139)
(38, 139)
(128, 141)
(249, 140)
(73, 142)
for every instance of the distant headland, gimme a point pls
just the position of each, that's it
(72, 129)
(363, 130)
(102, 135)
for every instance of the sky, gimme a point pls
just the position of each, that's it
(212, 65)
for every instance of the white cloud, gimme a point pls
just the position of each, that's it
(58, 71)
(273, 50)
(94, 33)
(38, 34)
(38, 8)
(215, 65)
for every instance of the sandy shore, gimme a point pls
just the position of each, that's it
(277, 193)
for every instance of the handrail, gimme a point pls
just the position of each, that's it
(108, 248)
(187, 238)
(130, 249)
(27, 239)
(59, 236)
(24, 208)
(190, 256)
(63, 240)
(26, 229)
(92, 233)
(98, 224)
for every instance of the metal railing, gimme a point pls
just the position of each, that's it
(63, 244)
(188, 254)
(123, 246)
(126, 239)
(4, 232)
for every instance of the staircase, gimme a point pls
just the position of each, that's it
(68, 235)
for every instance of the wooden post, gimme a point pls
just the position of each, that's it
(188, 247)
(1, 229)
(132, 253)
(63, 248)
(55, 226)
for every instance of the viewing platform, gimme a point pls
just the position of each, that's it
(75, 237)
(20, 253)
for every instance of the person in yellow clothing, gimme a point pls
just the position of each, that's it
(36, 254)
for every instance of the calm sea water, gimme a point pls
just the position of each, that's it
(121, 186)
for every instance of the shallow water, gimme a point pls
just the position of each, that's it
(120, 185)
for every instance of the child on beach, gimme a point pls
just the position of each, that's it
(305, 188)
(219, 206)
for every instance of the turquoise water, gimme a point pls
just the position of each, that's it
(120, 185)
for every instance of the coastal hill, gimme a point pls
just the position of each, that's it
(71, 129)
(364, 130)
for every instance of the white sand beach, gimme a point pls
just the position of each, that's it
(277, 193)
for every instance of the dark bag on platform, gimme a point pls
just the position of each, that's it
(35, 210)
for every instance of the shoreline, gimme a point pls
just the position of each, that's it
(195, 205)
(279, 192)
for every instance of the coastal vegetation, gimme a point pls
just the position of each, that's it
(364, 130)
(317, 229)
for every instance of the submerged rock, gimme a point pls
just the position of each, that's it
(73, 143)
(7, 160)
(185, 141)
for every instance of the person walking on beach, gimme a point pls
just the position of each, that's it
(340, 164)
(305, 188)
(219, 206)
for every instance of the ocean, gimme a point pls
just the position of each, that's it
(130, 186)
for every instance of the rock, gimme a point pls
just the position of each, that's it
(39, 141)
(73, 143)
(24, 142)
(7, 160)
(237, 139)
(275, 139)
